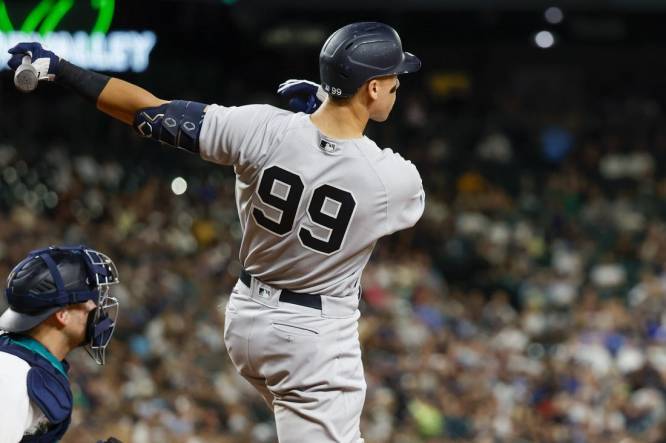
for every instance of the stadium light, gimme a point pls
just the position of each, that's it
(544, 39)
(178, 186)
(554, 15)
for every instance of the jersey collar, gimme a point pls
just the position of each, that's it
(38, 348)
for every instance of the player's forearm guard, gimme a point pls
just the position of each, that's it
(177, 124)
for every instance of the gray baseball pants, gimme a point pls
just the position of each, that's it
(305, 362)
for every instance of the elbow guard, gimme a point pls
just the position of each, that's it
(177, 124)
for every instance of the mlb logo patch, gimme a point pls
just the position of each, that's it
(326, 146)
(264, 292)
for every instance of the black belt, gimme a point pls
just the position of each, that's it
(287, 296)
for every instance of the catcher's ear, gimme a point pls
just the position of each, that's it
(59, 318)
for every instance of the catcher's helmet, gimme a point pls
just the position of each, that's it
(49, 279)
(359, 52)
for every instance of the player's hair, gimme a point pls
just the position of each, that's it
(340, 100)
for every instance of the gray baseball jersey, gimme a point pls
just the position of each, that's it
(311, 208)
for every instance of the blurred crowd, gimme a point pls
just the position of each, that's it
(526, 306)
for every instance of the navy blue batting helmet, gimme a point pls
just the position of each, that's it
(359, 52)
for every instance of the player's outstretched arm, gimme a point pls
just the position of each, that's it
(175, 123)
(122, 100)
(117, 98)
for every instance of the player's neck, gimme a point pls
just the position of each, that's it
(52, 340)
(341, 121)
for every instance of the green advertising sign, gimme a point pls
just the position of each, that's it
(46, 15)
(79, 31)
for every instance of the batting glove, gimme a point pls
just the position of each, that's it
(45, 62)
(304, 96)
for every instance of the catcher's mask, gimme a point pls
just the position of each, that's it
(51, 278)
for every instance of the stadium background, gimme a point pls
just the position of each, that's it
(526, 306)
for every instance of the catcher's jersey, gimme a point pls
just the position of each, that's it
(311, 208)
(19, 416)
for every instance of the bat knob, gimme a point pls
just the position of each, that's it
(25, 77)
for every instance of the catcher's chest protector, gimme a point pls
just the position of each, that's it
(48, 388)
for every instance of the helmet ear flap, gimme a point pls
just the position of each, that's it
(345, 71)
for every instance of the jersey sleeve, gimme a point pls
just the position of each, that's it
(240, 136)
(404, 189)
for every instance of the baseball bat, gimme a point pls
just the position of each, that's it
(25, 77)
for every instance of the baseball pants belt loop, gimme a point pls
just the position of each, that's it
(287, 296)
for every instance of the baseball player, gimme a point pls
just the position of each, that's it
(313, 195)
(58, 300)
